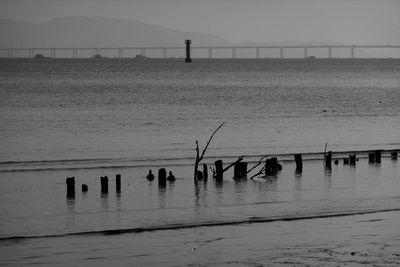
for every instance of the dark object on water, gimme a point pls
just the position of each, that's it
(70, 181)
(199, 175)
(299, 163)
(171, 177)
(240, 170)
(187, 43)
(104, 184)
(378, 156)
(162, 177)
(219, 173)
(150, 176)
(371, 157)
(118, 183)
(394, 155)
(345, 161)
(352, 159)
(328, 160)
(205, 172)
(272, 166)
(84, 188)
(336, 162)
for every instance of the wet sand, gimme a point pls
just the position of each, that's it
(369, 239)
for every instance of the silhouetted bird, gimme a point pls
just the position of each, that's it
(150, 176)
(171, 177)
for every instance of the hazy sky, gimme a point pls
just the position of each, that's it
(349, 21)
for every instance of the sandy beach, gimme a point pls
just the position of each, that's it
(359, 240)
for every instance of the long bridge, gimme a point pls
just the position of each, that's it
(120, 52)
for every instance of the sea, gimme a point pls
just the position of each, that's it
(87, 118)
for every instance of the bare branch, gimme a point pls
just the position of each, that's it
(258, 163)
(233, 163)
(258, 173)
(209, 141)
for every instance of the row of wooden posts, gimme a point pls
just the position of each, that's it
(70, 181)
(271, 167)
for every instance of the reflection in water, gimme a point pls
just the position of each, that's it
(104, 201)
(240, 190)
(118, 201)
(200, 195)
(161, 197)
(218, 186)
(70, 219)
(298, 186)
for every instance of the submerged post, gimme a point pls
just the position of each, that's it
(219, 172)
(299, 163)
(162, 177)
(84, 188)
(118, 183)
(352, 159)
(205, 172)
(70, 181)
(188, 59)
(104, 184)
(328, 160)
(378, 156)
(371, 157)
(394, 155)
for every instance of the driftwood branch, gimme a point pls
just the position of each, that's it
(233, 163)
(258, 164)
(258, 173)
(200, 157)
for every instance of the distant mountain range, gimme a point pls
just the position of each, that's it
(111, 32)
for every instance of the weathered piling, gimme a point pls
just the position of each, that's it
(371, 157)
(150, 176)
(345, 161)
(352, 159)
(328, 160)
(118, 183)
(205, 172)
(199, 175)
(236, 170)
(171, 177)
(70, 181)
(187, 43)
(378, 156)
(394, 155)
(84, 188)
(104, 184)
(243, 169)
(219, 172)
(336, 162)
(272, 166)
(162, 177)
(299, 163)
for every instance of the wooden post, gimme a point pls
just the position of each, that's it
(70, 181)
(219, 173)
(378, 156)
(118, 183)
(188, 59)
(236, 170)
(328, 160)
(104, 184)
(352, 159)
(84, 188)
(345, 161)
(394, 155)
(243, 169)
(371, 157)
(199, 175)
(205, 172)
(299, 163)
(274, 165)
(162, 177)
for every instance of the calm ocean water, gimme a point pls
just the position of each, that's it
(87, 118)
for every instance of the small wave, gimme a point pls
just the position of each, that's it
(179, 226)
(125, 163)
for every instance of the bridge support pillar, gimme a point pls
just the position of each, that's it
(52, 52)
(305, 52)
(352, 51)
(281, 55)
(257, 52)
(143, 52)
(164, 52)
(234, 52)
(330, 52)
(210, 52)
(120, 53)
(10, 53)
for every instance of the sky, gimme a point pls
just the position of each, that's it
(348, 21)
